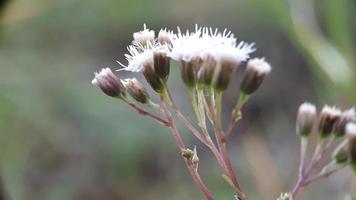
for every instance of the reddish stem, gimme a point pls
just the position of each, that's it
(146, 113)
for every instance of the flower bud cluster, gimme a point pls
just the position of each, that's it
(332, 125)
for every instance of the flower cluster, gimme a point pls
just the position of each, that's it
(208, 59)
(337, 133)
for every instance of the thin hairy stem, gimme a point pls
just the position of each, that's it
(222, 146)
(198, 181)
(144, 112)
(178, 138)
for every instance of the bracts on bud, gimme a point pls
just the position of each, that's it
(189, 72)
(206, 72)
(340, 125)
(351, 133)
(161, 63)
(305, 119)
(136, 90)
(256, 71)
(328, 118)
(152, 78)
(109, 83)
(223, 73)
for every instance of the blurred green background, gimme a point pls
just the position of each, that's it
(61, 138)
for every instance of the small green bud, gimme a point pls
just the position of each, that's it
(305, 119)
(341, 153)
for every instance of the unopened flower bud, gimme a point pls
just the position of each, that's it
(256, 70)
(187, 153)
(152, 78)
(351, 133)
(341, 153)
(165, 37)
(206, 72)
(109, 83)
(305, 119)
(144, 37)
(136, 90)
(345, 117)
(223, 73)
(189, 72)
(328, 117)
(161, 64)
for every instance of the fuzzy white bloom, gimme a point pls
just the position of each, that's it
(307, 108)
(349, 114)
(144, 36)
(108, 82)
(105, 72)
(260, 66)
(188, 46)
(206, 41)
(139, 55)
(165, 36)
(351, 130)
(330, 111)
(305, 118)
(285, 196)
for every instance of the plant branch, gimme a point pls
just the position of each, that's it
(178, 138)
(143, 112)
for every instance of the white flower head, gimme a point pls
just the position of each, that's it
(165, 36)
(306, 118)
(330, 111)
(262, 67)
(140, 55)
(144, 36)
(187, 47)
(351, 130)
(307, 108)
(349, 114)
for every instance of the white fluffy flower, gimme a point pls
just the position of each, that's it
(260, 66)
(206, 42)
(144, 36)
(330, 111)
(166, 36)
(139, 55)
(188, 46)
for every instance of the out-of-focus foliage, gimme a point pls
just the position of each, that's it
(60, 138)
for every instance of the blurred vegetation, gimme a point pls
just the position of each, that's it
(62, 139)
